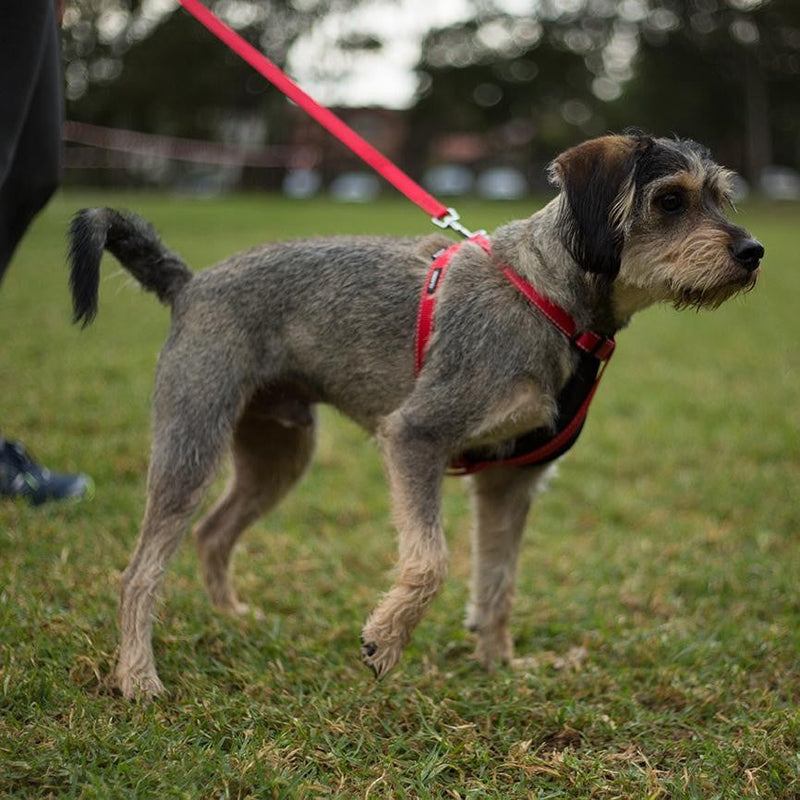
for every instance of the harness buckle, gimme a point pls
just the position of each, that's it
(601, 347)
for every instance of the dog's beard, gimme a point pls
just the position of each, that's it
(712, 297)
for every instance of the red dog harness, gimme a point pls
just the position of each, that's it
(540, 445)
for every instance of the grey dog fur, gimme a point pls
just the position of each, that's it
(257, 341)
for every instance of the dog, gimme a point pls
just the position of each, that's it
(259, 340)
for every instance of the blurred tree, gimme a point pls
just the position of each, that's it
(531, 85)
(724, 71)
(153, 68)
(522, 85)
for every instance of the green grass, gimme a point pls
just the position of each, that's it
(658, 587)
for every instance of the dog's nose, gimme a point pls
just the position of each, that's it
(748, 252)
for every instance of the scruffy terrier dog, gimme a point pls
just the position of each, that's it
(259, 340)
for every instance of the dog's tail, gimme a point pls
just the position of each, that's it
(134, 243)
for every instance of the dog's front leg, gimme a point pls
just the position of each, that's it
(415, 461)
(502, 497)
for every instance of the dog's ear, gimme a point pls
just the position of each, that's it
(597, 180)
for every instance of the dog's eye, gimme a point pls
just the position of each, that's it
(671, 203)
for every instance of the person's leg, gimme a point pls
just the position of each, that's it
(30, 117)
(30, 154)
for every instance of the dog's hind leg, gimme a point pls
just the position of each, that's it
(161, 533)
(501, 497)
(191, 427)
(269, 457)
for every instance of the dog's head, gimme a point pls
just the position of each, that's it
(649, 214)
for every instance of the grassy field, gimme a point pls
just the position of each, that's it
(658, 594)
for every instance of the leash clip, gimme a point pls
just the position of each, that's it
(451, 220)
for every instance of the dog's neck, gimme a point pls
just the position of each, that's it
(627, 300)
(533, 247)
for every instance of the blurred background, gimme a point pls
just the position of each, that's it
(471, 97)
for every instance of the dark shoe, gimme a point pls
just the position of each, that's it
(21, 476)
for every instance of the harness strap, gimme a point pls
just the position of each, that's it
(427, 301)
(599, 347)
(591, 342)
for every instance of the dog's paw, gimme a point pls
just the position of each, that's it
(239, 609)
(138, 687)
(379, 655)
(495, 647)
(472, 619)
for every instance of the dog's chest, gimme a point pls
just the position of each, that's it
(522, 409)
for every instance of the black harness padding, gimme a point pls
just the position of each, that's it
(547, 443)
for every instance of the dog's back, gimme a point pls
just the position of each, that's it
(332, 315)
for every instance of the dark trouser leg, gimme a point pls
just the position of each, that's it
(30, 117)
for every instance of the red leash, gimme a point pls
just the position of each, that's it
(440, 215)
(599, 347)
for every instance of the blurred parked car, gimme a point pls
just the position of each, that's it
(449, 180)
(780, 183)
(502, 183)
(355, 187)
(301, 184)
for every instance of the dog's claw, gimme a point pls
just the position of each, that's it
(368, 651)
(369, 648)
